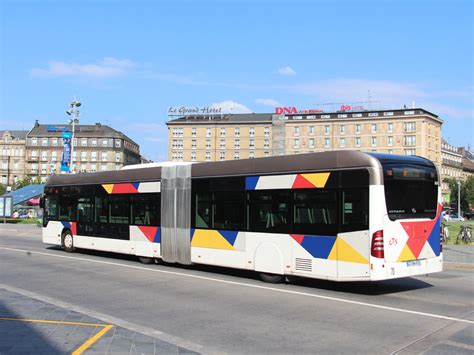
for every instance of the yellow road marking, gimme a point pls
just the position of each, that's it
(83, 347)
(92, 340)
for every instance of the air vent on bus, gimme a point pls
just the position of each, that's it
(303, 264)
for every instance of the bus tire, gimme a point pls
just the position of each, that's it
(271, 278)
(68, 241)
(146, 260)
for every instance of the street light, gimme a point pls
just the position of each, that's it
(459, 199)
(74, 113)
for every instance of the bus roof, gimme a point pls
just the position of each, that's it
(346, 159)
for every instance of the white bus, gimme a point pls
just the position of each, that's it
(342, 215)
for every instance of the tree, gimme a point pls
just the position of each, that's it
(26, 181)
(3, 189)
(467, 193)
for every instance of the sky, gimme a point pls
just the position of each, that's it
(127, 62)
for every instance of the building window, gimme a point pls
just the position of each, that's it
(93, 168)
(357, 141)
(389, 127)
(222, 145)
(84, 142)
(236, 155)
(251, 131)
(208, 156)
(342, 142)
(388, 113)
(373, 114)
(193, 144)
(103, 167)
(94, 156)
(311, 142)
(208, 144)
(296, 131)
(94, 142)
(410, 151)
(222, 155)
(374, 141)
(105, 142)
(251, 155)
(410, 127)
(208, 132)
(296, 143)
(34, 141)
(83, 156)
(44, 142)
(118, 143)
(222, 132)
(193, 156)
(311, 130)
(252, 144)
(83, 168)
(237, 131)
(266, 131)
(326, 130)
(118, 157)
(326, 142)
(410, 140)
(193, 132)
(103, 156)
(390, 151)
(44, 155)
(237, 143)
(374, 128)
(342, 129)
(266, 154)
(266, 144)
(55, 142)
(357, 128)
(34, 153)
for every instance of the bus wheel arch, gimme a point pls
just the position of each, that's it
(67, 241)
(269, 262)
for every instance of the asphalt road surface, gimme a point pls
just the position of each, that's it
(215, 310)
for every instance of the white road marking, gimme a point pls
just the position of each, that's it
(336, 299)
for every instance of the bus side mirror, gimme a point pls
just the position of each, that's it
(42, 202)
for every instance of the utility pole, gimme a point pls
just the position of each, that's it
(74, 113)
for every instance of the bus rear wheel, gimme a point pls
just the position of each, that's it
(146, 260)
(271, 278)
(68, 242)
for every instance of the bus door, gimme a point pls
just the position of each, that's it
(85, 216)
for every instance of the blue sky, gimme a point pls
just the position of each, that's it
(128, 61)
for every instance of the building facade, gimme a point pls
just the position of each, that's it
(451, 168)
(12, 149)
(225, 137)
(96, 148)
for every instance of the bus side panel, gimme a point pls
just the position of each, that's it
(52, 233)
(218, 247)
(103, 244)
(311, 256)
(352, 254)
(145, 240)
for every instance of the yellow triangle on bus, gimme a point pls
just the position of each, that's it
(108, 187)
(317, 179)
(342, 251)
(205, 238)
(406, 254)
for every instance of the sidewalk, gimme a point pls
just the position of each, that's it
(28, 325)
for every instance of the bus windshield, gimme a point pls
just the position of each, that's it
(410, 191)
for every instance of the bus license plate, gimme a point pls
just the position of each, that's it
(414, 263)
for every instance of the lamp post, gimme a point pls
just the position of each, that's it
(459, 199)
(74, 113)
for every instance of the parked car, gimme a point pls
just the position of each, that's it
(455, 217)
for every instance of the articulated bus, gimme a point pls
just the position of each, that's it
(341, 215)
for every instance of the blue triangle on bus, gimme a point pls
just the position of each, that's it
(135, 185)
(230, 236)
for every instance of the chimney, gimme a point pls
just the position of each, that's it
(37, 123)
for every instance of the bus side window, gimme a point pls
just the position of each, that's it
(355, 209)
(67, 207)
(145, 209)
(51, 207)
(315, 212)
(269, 211)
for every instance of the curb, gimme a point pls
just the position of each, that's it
(458, 266)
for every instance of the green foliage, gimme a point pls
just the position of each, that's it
(3, 189)
(26, 181)
(467, 192)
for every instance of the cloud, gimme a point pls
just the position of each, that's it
(230, 106)
(287, 71)
(268, 102)
(344, 90)
(106, 68)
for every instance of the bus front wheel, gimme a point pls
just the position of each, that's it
(68, 242)
(146, 260)
(271, 278)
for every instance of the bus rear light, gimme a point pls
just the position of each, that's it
(376, 248)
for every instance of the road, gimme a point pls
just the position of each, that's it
(213, 310)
